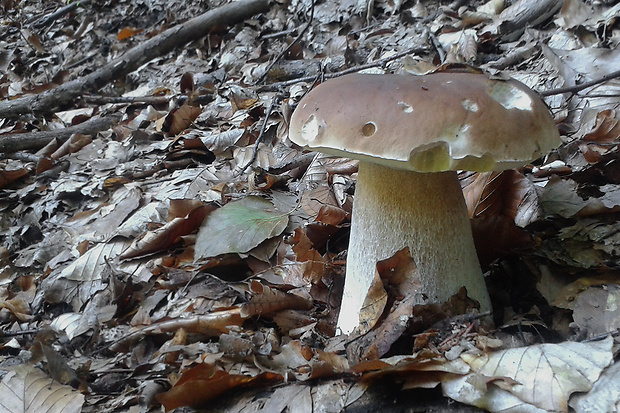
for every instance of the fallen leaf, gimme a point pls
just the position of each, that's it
(596, 310)
(27, 389)
(604, 396)
(238, 227)
(127, 32)
(204, 382)
(537, 378)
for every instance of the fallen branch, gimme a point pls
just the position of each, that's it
(36, 140)
(157, 46)
(581, 86)
(283, 52)
(51, 18)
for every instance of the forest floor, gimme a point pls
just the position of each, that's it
(165, 246)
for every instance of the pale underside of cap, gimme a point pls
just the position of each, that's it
(437, 122)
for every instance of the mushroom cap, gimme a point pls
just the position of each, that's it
(437, 122)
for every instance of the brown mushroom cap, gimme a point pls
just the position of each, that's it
(438, 122)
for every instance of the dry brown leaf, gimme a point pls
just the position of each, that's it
(314, 264)
(494, 193)
(18, 307)
(9, 176)
(178, 119)
(171, 233)
(390, 329)
(204, 382)
(606, 128)
(267, 301)
(373, 306)
(128, 32)
(567, 296)
(397, 271)
(331, 215)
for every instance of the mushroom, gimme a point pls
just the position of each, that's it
(411, 134)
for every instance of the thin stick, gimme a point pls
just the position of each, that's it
(261, 134)
(581, 86)
(283, 52)
(278, 85)
(51, 18)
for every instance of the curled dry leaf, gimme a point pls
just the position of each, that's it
(373, 306)
(313, 263)
(8, 176)
(171, 233)
(536, 378)
(204, 382)
(266, 301)
(178, 119)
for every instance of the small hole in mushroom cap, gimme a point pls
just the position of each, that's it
(369, 129)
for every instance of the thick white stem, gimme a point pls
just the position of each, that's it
(424, 211)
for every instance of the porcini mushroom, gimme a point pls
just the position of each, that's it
(411, 134)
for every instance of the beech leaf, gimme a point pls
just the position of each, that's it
(238, 227)
(27, 389)
(537, 378)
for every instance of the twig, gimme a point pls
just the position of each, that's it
(261, 134)
(17, 333)
(437, 45)
(380, 62)
(581, 86)
(283, 52)
(149, 100)
(301, 161)
(51, 18)
(613, 333)
(279, 34)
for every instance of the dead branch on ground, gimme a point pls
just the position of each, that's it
(36, 140)
(157, 46)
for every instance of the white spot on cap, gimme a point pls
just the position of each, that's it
(405, 107)
(510, 97)
(470, 105)
(311, 130)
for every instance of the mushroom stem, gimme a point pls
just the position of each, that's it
(426, 212)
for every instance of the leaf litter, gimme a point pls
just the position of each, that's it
(164, 244)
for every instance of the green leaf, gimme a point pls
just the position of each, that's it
(238, 227)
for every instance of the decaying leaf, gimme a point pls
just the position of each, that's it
(373, 306)
(538, 378)
(27, 389)
(596, 310)
(204, 382)
(267, 301)
(171, 233)
(604, 396)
